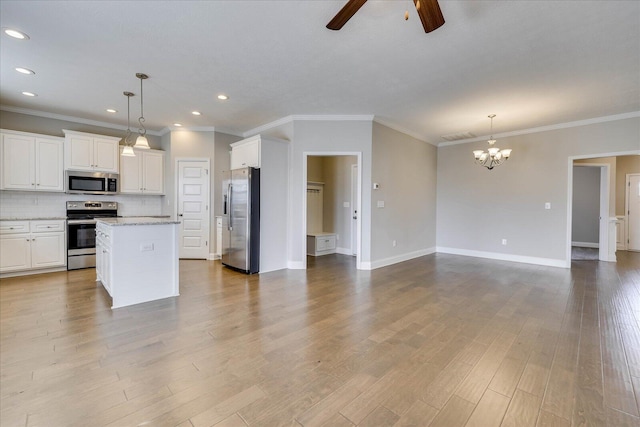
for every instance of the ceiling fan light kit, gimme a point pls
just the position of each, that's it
(493, 156)
(428, 10)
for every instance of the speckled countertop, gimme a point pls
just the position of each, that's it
(35, 218)
(139, 220)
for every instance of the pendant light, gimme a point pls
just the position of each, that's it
(127, 151)
(493, 156)
(141, 141)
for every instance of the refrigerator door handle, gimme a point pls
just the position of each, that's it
(230, 222)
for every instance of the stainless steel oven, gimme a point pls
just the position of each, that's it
(81, 231)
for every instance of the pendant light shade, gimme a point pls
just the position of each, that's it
(127, 151)
(141, 141)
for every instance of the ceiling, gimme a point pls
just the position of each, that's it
(532, 63)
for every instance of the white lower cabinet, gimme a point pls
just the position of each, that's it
(32, 245)
(103, 256)
(321, 244)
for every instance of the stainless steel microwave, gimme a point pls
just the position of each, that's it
(91, 182)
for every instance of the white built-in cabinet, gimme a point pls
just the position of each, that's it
(246, 153)
(32, 245)
(142, 174)
(90, 152)
(271, 156)
(31, 162)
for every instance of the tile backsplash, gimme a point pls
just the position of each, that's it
(23, 204)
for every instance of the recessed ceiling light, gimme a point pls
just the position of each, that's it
(15, 34)
(223, 97)
(177, 124)
(29, 94)
(196, 113)
(24, 70)
(111, 110)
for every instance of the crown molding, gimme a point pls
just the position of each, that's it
(308, 117)
(267, 126)
(400, 129)
(557, 126)
(68, 118)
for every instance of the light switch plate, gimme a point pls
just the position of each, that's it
(547, 205)
(345, 204)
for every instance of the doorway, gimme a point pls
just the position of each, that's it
(586, 239)
(632, 209)
(331, 203)
(193, 208)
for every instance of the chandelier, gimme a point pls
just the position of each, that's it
(493, 156)
(141, 141)
(127, 150)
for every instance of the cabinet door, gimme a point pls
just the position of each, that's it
(47, 250)
(80, 152)
(16, 252)
(246, 155)
(49, 165)
(18, 162)
(153, 173)
(131, 174)
(106, 269)
(106, 155)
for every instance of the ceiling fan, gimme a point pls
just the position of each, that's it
(428, 10)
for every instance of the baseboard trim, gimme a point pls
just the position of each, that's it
(396, 259)
(213, 257)
(32, 272)
(343, 251)
(585, 245)
(295, 265)
(550, 262)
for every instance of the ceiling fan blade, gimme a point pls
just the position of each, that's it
(430, 14)
(345, 14)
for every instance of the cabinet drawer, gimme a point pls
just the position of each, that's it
(13, 227)
(47, 226)
(324, 243)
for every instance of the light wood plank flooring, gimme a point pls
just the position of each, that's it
(440, 340)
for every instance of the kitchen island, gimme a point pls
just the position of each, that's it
(137, 259)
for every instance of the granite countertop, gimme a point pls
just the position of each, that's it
(35, 218)
(138, 220)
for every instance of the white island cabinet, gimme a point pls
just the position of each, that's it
(137, 259)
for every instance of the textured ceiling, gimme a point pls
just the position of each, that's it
(532, 63)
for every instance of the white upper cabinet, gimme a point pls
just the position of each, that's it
(246, 153)
(31, 162)
(90, 152)
(142, 174)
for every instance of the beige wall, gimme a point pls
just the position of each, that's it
(624, 166)
(477, 208)
(406, 169)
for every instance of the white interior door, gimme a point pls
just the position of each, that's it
(633, 211)
(193, 208)
(354, 210)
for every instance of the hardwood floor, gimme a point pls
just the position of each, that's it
(441, 340)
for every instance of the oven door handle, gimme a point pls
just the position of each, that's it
(81, 221)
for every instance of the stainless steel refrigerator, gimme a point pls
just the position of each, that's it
(241, 230)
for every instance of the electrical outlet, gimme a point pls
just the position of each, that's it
(504, 242)
(547, 205)
(381, 203)
(394, 243)
(346, 204)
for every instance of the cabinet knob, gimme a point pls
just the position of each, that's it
(27, 240)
